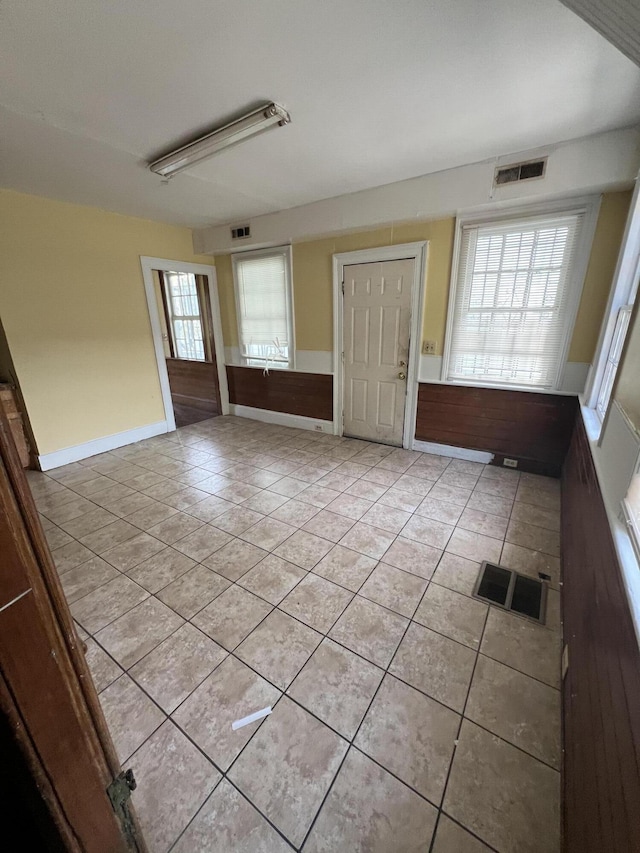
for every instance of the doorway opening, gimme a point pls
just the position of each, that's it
(185, 321)
(187, 335)
(378, 306)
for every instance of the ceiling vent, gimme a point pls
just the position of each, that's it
(240, 232)
(520, 172)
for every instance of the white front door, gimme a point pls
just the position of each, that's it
(377, 313)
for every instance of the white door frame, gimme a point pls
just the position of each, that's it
(417, 252)
(164, 265)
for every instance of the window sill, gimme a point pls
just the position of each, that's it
(529, 389)
(272, 365)
(592, 424)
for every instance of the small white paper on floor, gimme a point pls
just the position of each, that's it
(257, 715)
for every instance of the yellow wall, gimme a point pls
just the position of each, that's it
(597, 283)
(228, 317)
(627, 391)
(74, 311)
(312, 279)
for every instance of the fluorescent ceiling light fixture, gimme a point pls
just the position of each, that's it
(265, 117)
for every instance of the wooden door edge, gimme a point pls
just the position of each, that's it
(63, 635)
(34, 767)
(49, 575)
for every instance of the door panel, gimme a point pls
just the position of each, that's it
(390, 325)
(386, 405)
(358, 401)
(377, 314)
(360, 337)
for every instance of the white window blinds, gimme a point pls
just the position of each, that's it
(512, 300)
(264, 311)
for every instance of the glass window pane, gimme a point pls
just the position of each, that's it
(613, 359)
(511, 301)
(184, 310)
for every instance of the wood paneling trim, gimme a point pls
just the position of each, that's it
(194, 384)
(601, 691)
(533, 428)
(306, 394)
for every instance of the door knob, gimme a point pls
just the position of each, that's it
(402, 376)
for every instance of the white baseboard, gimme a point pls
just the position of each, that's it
(281, 418)
(99, 445)
(456, 452)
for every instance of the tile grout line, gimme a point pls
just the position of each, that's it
(351, 744)
(277, 606)
(457, 738)
(223, 774)
(412, 513)
(284, 693)
(171, 545)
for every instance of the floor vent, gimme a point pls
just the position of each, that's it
(512, 591)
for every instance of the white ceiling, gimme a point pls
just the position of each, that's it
(378, 92)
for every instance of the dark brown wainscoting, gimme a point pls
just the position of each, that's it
(533, 428)
(601, 691)
(194, 390)
(307, 394)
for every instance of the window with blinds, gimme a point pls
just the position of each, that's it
(263, 301)
(512, 301)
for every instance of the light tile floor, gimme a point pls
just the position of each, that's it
(232, 565)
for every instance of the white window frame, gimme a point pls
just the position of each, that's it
(589, 206)
(630, 514)
(189, 318)
(276, 251)
(612, 359)
(623, 294)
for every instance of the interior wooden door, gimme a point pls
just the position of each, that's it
(55, 743)
(377, 315)
(187, 331)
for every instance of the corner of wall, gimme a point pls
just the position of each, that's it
(605, 248)
(224, 276)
